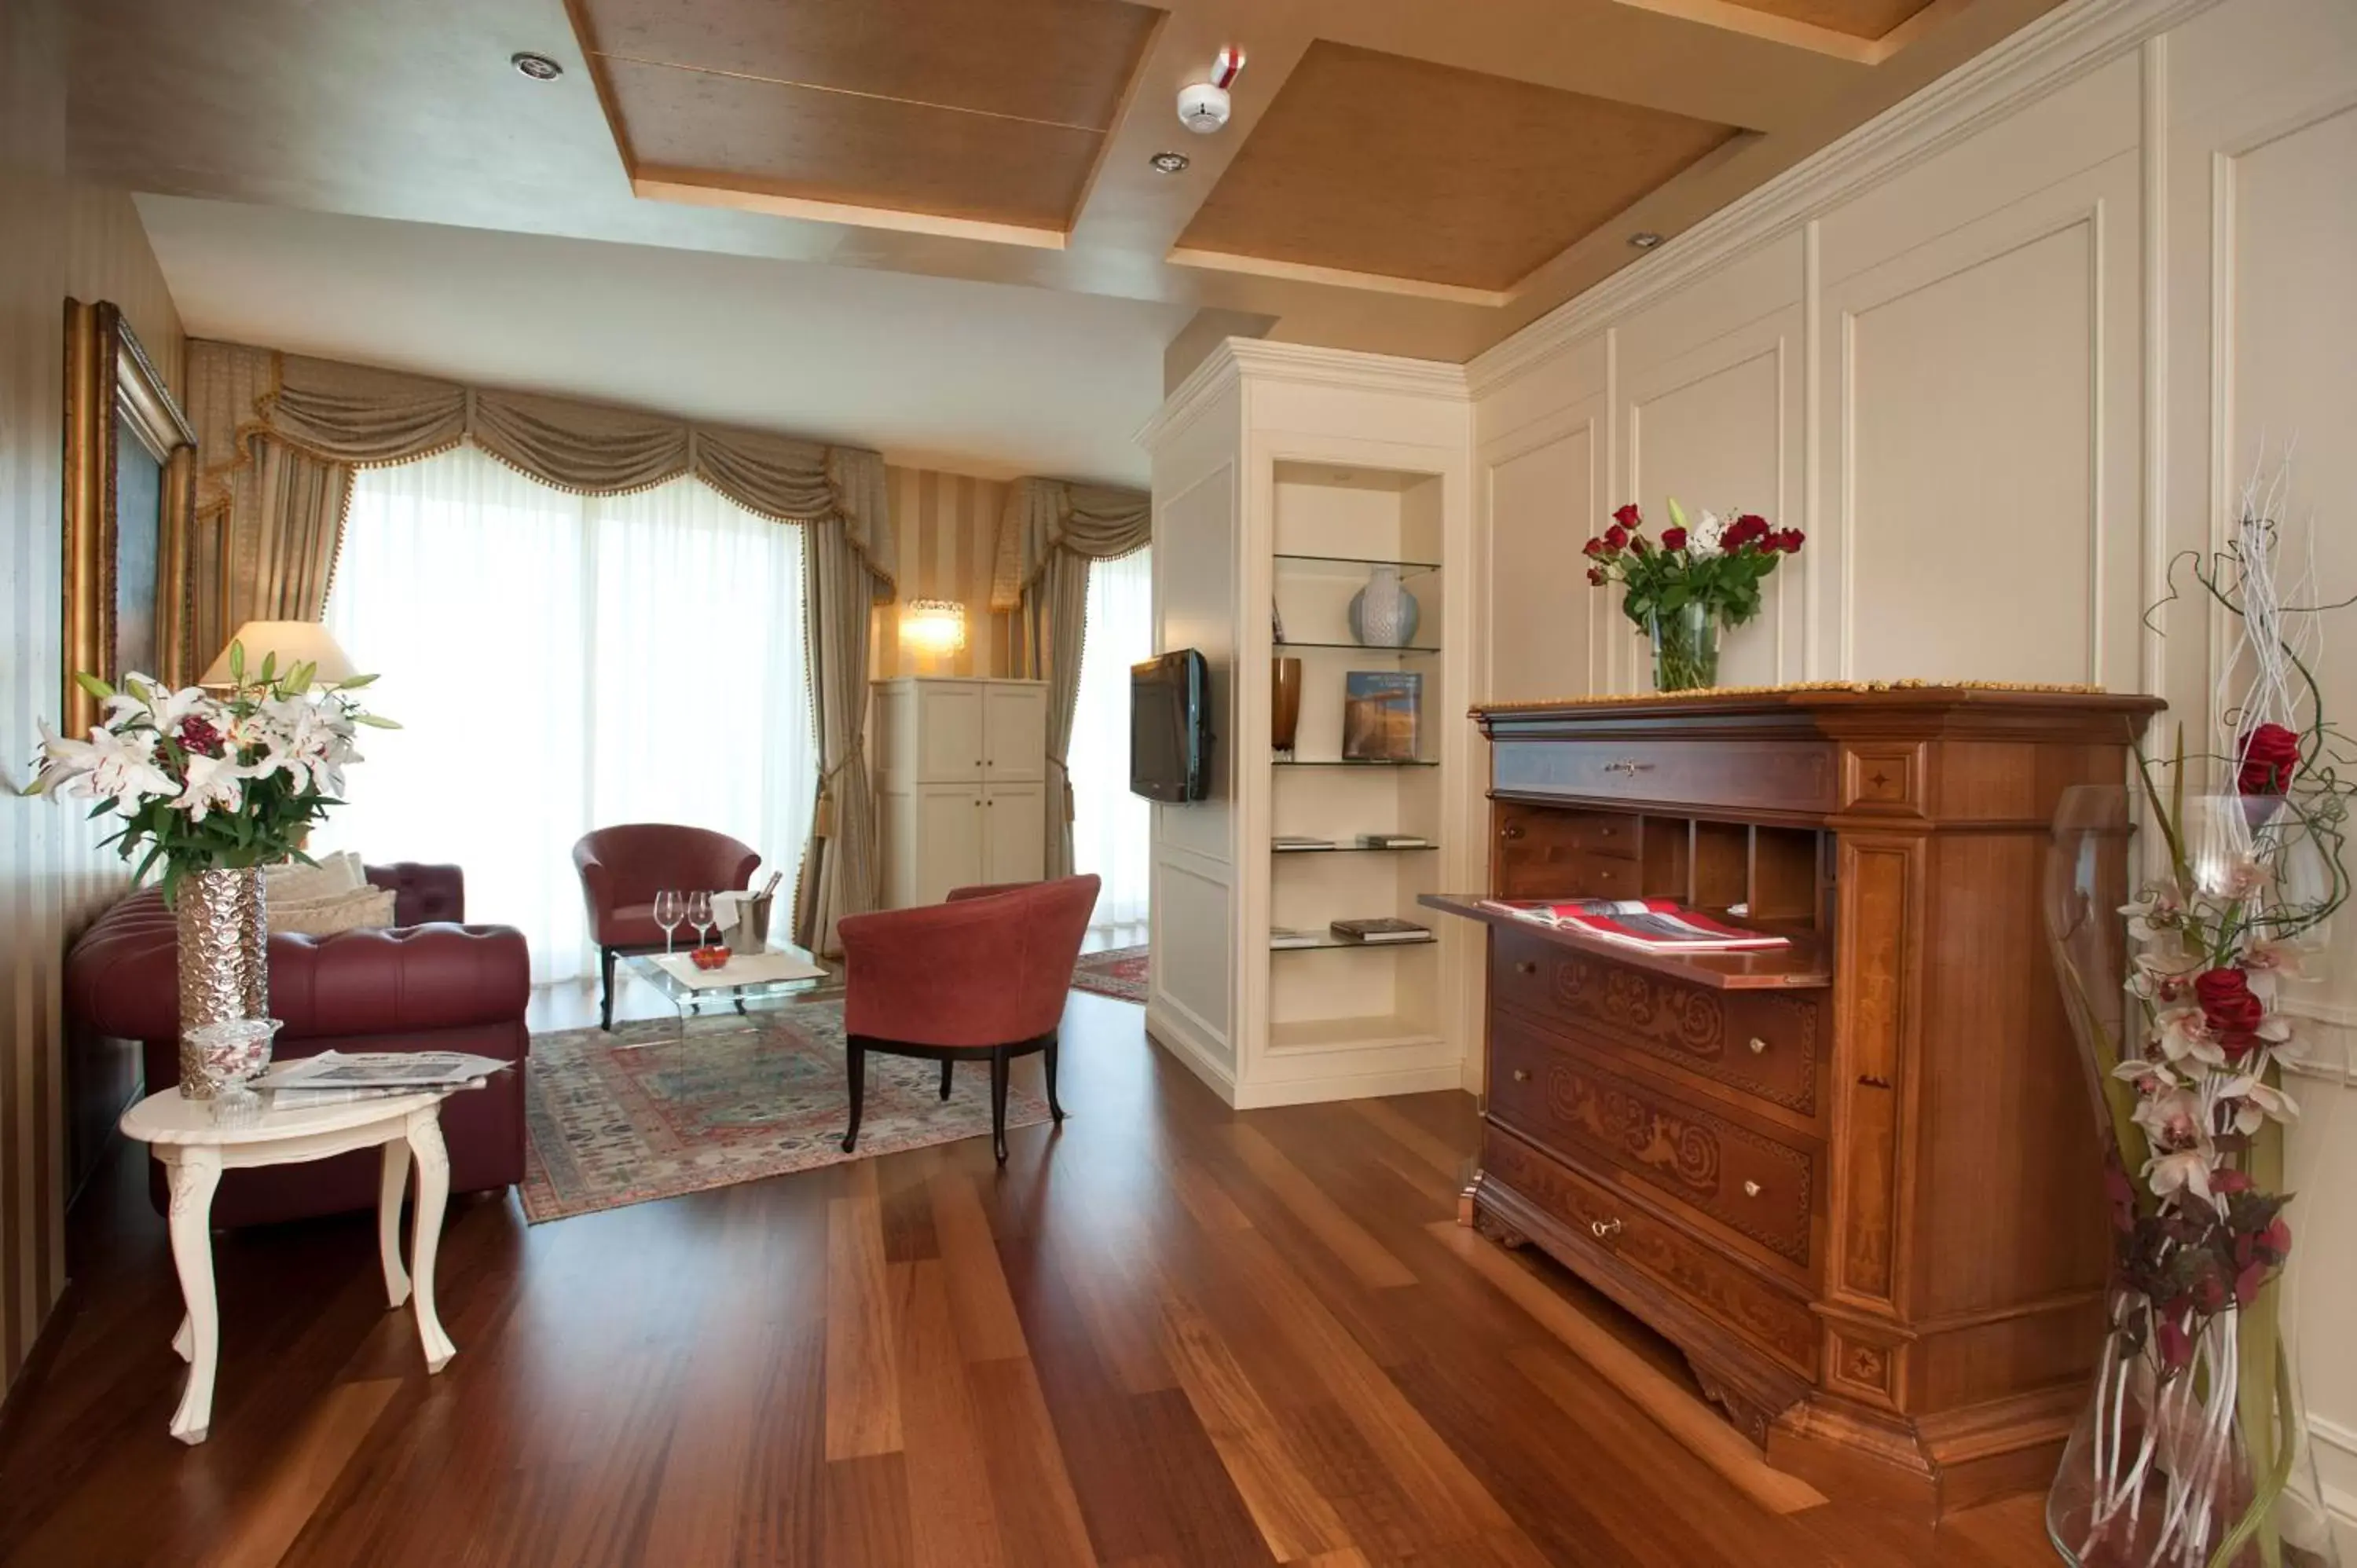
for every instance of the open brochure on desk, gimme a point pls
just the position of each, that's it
(332, 1076)
(1656, 925)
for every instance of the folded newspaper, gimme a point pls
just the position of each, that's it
(334, 1075)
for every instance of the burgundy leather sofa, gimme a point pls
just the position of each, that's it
(426, 984)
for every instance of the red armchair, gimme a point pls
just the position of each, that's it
(427, 983)
(623, 868)
(982, 977)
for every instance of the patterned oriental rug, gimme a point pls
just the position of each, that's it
(1115, 972)
(641, 1114)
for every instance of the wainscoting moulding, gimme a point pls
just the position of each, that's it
(2057, 49)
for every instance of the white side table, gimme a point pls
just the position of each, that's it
(181, 1134)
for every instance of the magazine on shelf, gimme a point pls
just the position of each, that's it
(1657, 925)
(406, 1072)
(1383, 716)
(1385, 930)
(1295, 844)
(1394, 841)
(1293, 937)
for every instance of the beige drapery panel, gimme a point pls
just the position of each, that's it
(1049, 533)
(278, 437)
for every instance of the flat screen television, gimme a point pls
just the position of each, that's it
(1170, 728)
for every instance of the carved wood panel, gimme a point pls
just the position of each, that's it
(1754, 1185)
(1877, 884)
(1724, 1290)
(1764, 1044)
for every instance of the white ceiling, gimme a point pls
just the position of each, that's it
(976, 378)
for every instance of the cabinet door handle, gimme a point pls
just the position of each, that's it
(1752, 1189)
(1629, 766)
(1510, 831)
(1522, 1075)
(1525, 966)
(1604, 1229)
(1758, 1047)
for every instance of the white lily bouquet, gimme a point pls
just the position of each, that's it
(205, 780)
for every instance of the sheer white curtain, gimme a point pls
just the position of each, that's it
(561, 662)
(1110, 825)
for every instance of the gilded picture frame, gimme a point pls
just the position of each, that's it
(130, 500)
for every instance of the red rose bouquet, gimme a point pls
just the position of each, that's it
(1679, 589)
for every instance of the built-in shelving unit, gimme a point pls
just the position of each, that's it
(1280, 491)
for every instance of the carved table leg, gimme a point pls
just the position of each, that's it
(390, 1188)
(426, 1237)
(195, 1174)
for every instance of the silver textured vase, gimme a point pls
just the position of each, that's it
(1383, 614)
(224, 958)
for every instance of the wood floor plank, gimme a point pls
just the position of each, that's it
(1296, 1520)
(1038, 1513)
(1716, 1444)
(867, 1512)
(988, 1328)
(1444, 1159)
(1346, 1238)
(315, 1457)
(863, 1391)
(953, 1521)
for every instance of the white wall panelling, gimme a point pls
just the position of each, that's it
(2003, 353)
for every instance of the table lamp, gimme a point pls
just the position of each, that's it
(294, 641)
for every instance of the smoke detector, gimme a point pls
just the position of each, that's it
(1203, 106)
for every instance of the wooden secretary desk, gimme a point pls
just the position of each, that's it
(1855, 1180)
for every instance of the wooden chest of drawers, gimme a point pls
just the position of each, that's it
(1853, 1179)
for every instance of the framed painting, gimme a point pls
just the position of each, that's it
(130, 497)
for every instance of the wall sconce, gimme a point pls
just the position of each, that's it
(934, 627)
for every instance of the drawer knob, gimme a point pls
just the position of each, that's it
(1522, 1075)
(1751, 1189)
(1510, 831)
(1758, 1047)
(1629, 766)
(1604, 1229)
(1526, 966)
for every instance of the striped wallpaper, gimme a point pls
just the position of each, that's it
(948, 526)
(63, 240)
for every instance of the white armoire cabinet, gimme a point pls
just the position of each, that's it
(962, 784)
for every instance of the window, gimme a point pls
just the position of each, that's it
(1110, 825)
(561, 662)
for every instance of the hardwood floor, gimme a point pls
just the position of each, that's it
(1170, 1336)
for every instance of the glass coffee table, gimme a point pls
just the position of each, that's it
(780, 974)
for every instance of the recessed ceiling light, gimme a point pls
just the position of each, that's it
(1168, 163)
(540, 67)
(1644, 238)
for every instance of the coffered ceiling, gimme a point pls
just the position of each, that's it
(1410, 176)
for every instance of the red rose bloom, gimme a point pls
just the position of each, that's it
(1616, 537)
(2228, 1005)
(1673, 539)
(199, 738)
(1596, 577)
(1790, 541)
(1593, 547)
(2270, 756)
(1629, 516)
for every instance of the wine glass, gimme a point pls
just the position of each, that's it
(699, 915)
(669, 908)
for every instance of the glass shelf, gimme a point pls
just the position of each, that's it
(1282, 648)
(1331, 943)
(1343, 762)
(1353, 849)
(1327, 566)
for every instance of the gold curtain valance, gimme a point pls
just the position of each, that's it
(1097, 522)
(247, 400)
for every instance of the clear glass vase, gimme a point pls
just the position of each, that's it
(2204, 1465)
(1685, 647)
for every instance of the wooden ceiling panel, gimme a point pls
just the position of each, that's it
(1858, 19)
(842, 147)
(1378, 164)
(1061, 62)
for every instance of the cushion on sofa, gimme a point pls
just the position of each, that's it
(362, 908)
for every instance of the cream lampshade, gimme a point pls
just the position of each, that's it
(294, 641)
(935, 626)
